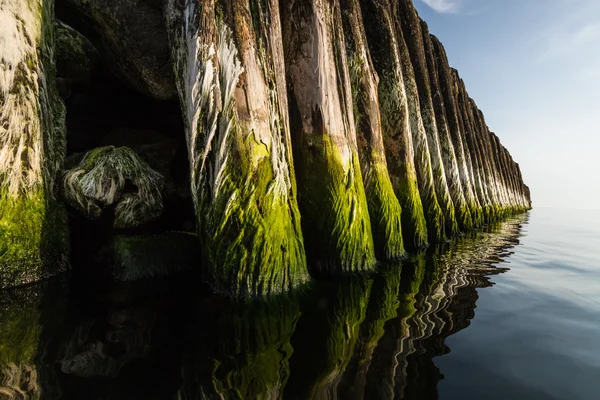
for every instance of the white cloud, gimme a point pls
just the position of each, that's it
(569, 40)
(443, 6)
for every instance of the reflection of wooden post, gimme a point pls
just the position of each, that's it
(326, 337)
(242, 352)
(30, 317)
(382, 307)
(335, 217)
(33, 241)
(230, 77)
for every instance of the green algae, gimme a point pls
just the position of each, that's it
(335, 216)
(251, 238)
(384, 208)
(33, 229)
(386, 214)
(239, 151)
(34, 240)
(400, 163)
(382, 43)
(334, 209)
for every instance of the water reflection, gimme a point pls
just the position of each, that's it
(372, 337)
(239, 351)
(27, 324)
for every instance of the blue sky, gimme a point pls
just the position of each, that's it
(533, 67)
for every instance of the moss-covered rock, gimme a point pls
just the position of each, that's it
(132, 40)
(150, 256)
(33, 228)
(115, 178)
(76, 56)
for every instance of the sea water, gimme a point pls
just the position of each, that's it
(509, 312)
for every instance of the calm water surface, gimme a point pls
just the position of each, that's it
(509, 313)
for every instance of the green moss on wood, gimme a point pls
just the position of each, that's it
(33, 227)
(239, 150)
(384, 209)
(334, 209)
(34, 241)
(414, 224)
(251, 233)
(385, 213)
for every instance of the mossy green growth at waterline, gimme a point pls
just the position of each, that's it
(335, 215)
(436, 228)
(400, 162)
(34, 241)
(250, 230)
(385, 213)
(384, 208)
(463, 217)
(477, 215)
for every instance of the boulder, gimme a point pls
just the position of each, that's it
(155, 148)
(149, 256)
(76, 56)
(113, 178)
(132, 40)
